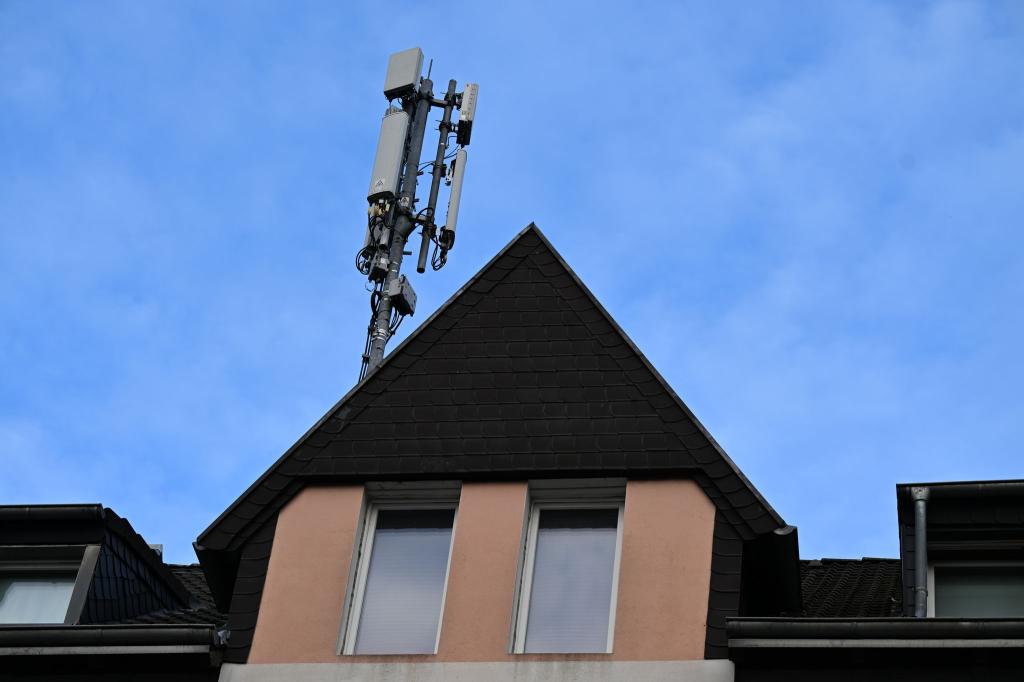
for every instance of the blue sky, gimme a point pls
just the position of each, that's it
(806, 214)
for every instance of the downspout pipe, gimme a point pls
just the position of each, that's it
(920, 496)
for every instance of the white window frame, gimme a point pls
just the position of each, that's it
(522, 615)
(365, 551)
(962, 564)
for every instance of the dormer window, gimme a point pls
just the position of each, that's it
(976, 590)
(44, 584)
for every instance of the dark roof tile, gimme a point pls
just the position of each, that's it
(851, 588)
(202, 610)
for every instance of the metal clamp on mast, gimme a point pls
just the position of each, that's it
(392, 215)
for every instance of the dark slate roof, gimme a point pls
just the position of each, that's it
(191, 576)
(521, 373)
(201, 610)
(851, 588)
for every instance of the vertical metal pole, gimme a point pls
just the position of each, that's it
(438, 171)
(920, 497)
(403, 224)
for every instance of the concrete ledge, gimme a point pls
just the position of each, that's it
(526, 671)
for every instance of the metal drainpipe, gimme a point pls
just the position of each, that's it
(920, 497)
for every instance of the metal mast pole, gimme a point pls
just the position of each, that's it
(392, 214)
(436, 173)
(404, 225)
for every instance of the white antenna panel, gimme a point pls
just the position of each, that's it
(403, 75)
(467, 112)
(387, 165)
(458, 170)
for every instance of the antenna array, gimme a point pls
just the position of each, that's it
(393, 215)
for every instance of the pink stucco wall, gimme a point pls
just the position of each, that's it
(664, 575)
(665, 571)
(482, 579)
(300, 613)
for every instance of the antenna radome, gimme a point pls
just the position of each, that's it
(393, 215)
(458, 170)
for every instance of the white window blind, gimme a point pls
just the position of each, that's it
(35, 599)
(405, 581)
(572, 583)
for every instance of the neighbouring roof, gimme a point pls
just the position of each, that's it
(853, 627)
(851, 588)
(128, 601)
(130, 583)
(201, 610)
(127, 578)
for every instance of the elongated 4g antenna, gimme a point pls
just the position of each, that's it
(393, 214)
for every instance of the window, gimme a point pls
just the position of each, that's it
(976, 590)
(570, 578)
(400, 579)
(45, 583)
(35, 598)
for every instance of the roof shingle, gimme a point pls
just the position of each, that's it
(201, 611)
(851, 588)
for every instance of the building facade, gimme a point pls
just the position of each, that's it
(950, 608)
(518, 482)
(517, 495)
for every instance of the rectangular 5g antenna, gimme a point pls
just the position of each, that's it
(404, 69)
(458, 170)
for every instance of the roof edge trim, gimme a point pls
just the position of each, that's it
(657, 375)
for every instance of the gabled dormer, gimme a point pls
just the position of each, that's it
(79, 564)
(84, 597)
(515, 484)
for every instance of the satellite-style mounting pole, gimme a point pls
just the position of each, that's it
(392, 195)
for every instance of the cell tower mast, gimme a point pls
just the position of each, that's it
(392, 214)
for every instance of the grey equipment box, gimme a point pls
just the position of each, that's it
(387, 165)
(403, 298)
(404, 70)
